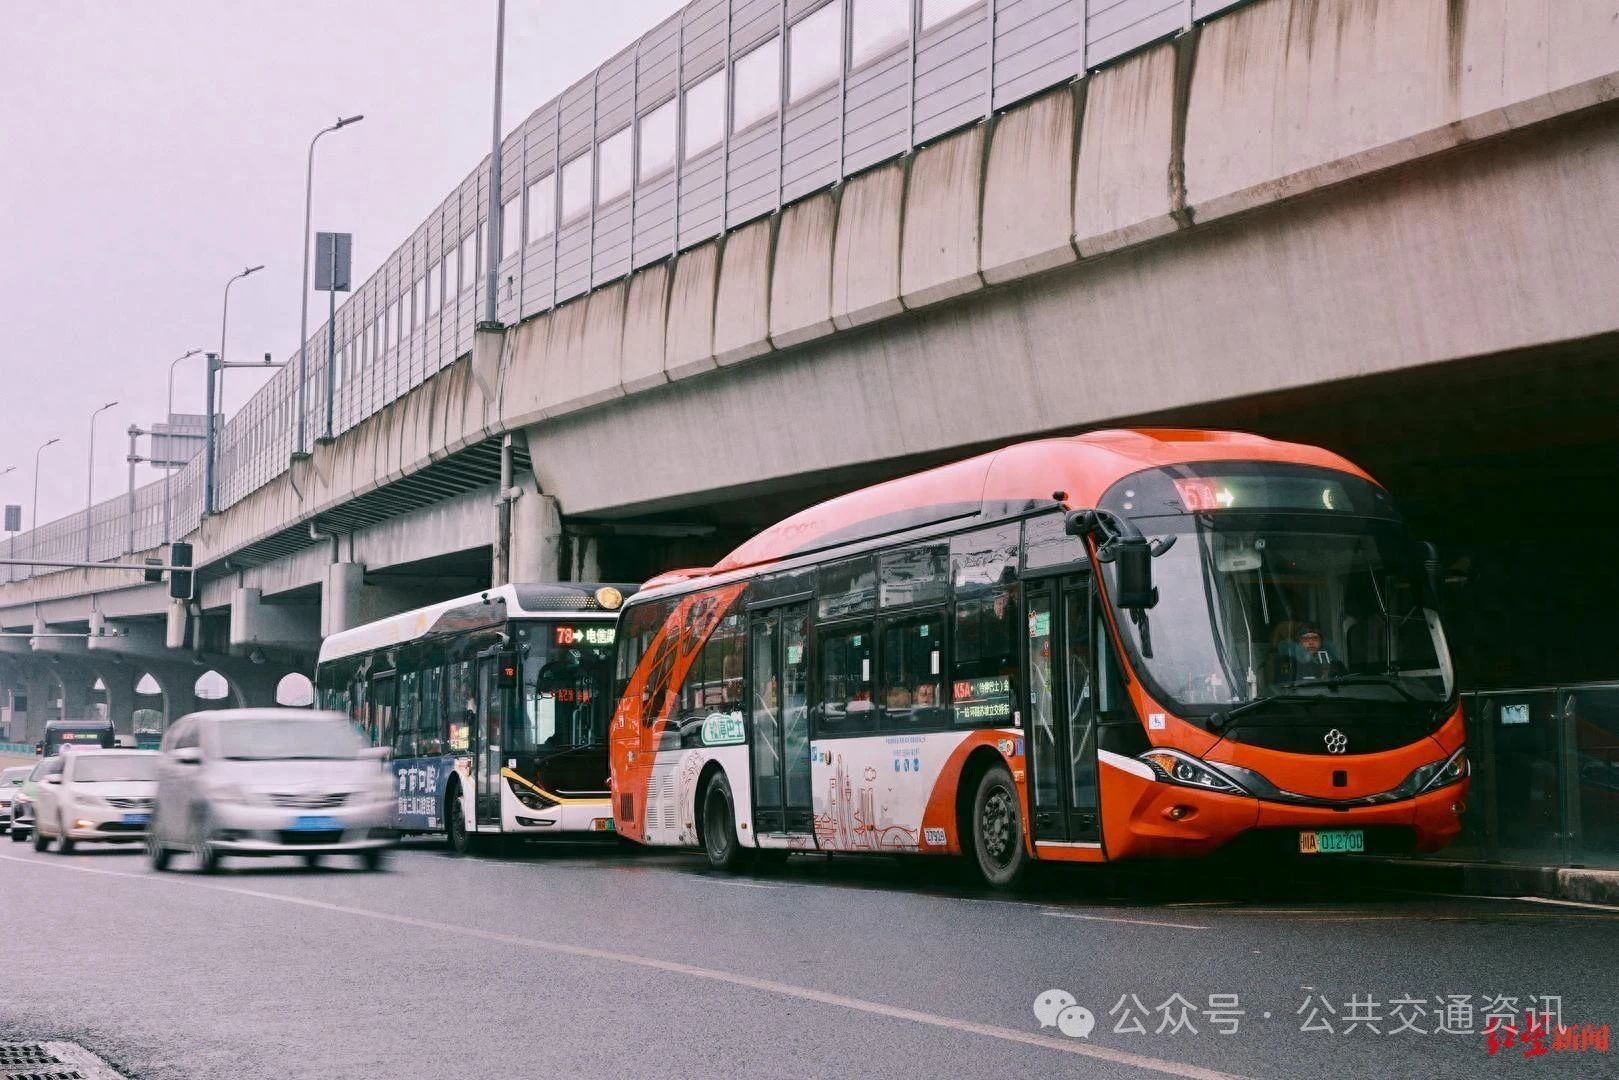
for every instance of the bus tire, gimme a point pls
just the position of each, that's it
(724, 850)
(455, 826)
(993, 838)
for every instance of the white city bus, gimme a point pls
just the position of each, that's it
(495, 706)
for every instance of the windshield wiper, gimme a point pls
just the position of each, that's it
(1368, 679)
(1219, 721)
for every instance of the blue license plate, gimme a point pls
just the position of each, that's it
(316, 823)
(137, 819)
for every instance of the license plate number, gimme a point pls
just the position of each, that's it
(1331, 841)
(137, 819)
(315, 823)
(602, 824)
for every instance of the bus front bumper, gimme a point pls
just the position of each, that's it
(1152, 819)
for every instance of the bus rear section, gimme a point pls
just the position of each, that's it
(1199, 642)
(494, 708)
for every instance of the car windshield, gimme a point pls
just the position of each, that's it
(114, 768)
(285, 740)
(567, 669)
(15, 777)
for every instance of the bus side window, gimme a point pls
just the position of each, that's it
(460, 705)
(912, 690)
(430, 713)
(406, 710)
(845, 668)
(984, 674)
(383, 719)
(713, 685)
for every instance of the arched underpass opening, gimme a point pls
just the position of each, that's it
(295, 691)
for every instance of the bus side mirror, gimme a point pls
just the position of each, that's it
(1134, 580)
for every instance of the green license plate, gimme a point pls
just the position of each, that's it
(602, 824)
(1331, 841)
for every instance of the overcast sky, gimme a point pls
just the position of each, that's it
(149, 149)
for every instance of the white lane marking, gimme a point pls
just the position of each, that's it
(735, 884)
(1120, 919)
(1162, 1066)
(1559, 903)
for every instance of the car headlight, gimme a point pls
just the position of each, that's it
(1174, 767)
(529, 797)
(1438, 774)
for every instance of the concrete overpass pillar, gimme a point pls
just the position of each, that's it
(536, 551)
(341, 598)
(120, 683)
(255, 624)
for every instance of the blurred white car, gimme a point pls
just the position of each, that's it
(270, 782)
(103, 796)
(10, 781)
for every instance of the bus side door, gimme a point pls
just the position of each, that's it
(1062, 713)
(779, 740)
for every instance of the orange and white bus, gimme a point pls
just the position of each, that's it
(1125, 644)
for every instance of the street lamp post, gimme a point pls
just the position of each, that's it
(303, 317)
(168, 518)
(496, 207)
(90, 481)
(224, 314)
(33, 514)
(11, 548)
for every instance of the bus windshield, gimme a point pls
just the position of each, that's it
(566, 683)
(1257, 604)
(78, 735)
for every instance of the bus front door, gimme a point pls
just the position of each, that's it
(488, 737)
(1062, 714)
(779, 746)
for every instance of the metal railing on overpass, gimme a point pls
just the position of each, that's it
(723, 113)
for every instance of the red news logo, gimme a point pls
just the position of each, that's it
(1538, 1037)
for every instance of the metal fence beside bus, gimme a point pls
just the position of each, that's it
(1545, 776)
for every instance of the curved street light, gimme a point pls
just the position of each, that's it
(90, 481)
(33, 516)
(303, 317)
(224, 314)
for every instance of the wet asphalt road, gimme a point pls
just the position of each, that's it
(604, 962)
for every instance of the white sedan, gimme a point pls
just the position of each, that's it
(101, 796)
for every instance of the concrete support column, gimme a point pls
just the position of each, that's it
(41, 684)
(341, 598)
(536, 535)
(120, 683)
(76, 695)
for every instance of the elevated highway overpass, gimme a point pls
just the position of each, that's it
(1384, 226)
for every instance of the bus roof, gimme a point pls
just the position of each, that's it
(467, 612)
(1014, 479)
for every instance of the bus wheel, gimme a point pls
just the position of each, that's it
(455, 826)
(725, 851)
(995, 840)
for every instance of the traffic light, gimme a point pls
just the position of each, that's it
(180, 580)
(153, 572)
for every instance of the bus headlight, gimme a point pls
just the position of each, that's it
(1438, 774)
(1174, 767)
(529, 797)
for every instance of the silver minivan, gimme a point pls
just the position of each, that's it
(270, 782)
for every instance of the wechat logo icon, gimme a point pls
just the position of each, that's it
(1058, 1009)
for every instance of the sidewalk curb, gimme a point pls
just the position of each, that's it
(1494, 879)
